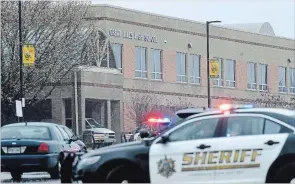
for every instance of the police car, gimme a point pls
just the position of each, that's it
(235, 144)
(154, 126)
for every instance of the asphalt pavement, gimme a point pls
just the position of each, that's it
(34, 177)
(29, 177)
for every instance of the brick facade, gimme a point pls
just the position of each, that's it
(174, 35)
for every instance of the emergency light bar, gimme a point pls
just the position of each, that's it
(160, 120)
(226, 107)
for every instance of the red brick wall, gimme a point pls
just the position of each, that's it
(128, 60)
(204, 71)
(272, 77)
(169, 66)
(241, 75)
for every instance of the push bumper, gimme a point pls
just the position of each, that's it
(28, 163)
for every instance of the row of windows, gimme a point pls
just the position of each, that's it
(262, 69)
(257, 74)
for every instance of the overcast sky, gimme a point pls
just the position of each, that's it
(279, 13)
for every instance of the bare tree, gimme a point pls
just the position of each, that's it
(62, 40)
(267, 99)
(139, 105)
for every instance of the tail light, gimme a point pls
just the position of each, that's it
(43, 148)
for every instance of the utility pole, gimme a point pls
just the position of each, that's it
(208, 61)
(20, 50)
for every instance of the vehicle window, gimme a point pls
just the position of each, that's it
(87, 125)
(199, 129)
(241, 125)
(58, 134)
(26, 132)
(68, 131)
(274, 128)
(63, 133)
(247, 125)
(94, 123)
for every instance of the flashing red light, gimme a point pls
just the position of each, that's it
(43, 148)
(154, 120)
(225, 107)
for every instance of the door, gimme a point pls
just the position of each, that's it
(65, 138)
(246, 149)
(188, 156)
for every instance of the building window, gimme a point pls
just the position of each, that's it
(251, 76)
(230, 79)
(292, 80)
(282, 79)
(181, 67)
(195, 77)
(263, 77)
(140, 62)
(117, 50)
(219, 81)
(156, 64)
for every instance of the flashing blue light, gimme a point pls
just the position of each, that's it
(248, 106)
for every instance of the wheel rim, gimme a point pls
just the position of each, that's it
(293, 181)
(124, 181)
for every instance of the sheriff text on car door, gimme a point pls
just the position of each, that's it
(217, 149)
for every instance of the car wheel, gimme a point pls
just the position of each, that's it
(285, 174)
(16, 175)
(123, 174)
(84, 149)
(55, 172)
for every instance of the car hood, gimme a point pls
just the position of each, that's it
(102, 130)
(116, 148)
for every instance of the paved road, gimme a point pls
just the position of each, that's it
(35, 177)
(29, 177)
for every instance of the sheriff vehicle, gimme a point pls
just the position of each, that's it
(153, 125)
(235, 144)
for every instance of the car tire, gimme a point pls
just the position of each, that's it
(123, 174)
(84, 149)
(55, 172)
(16, 175)
(285, 174)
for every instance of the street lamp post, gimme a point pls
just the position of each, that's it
(208, 60)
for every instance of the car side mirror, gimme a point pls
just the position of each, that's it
(73, 139)
(144, 133)
(165, 139)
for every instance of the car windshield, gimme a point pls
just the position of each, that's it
(94, 124)
(25, 132)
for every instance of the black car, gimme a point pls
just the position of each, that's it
(239, 144)
(70, 133)
(34, 147)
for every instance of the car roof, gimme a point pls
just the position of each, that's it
(30, 124)
(184, 113)
(285, 115)
(190, 110)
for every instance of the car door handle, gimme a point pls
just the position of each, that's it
(203, 146)
(271, 142)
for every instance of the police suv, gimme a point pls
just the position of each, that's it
(235, 144)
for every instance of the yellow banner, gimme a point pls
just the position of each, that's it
(214, 69)
(28, 55)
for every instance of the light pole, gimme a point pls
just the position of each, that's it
(20, 47)
(208, 60)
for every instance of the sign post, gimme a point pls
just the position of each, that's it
(28, 55)
(18, 109)
(214, 68)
